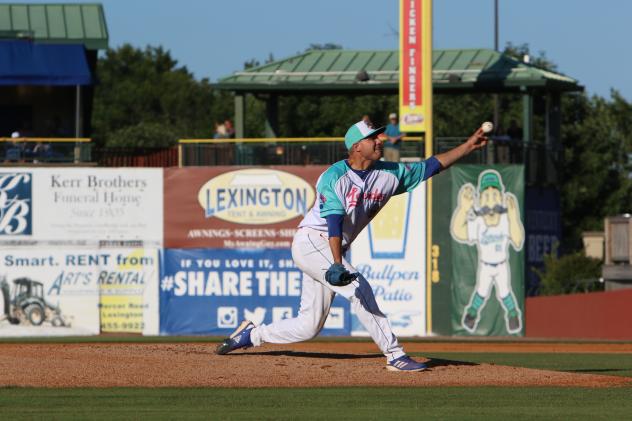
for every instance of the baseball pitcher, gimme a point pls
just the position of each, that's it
(349, 195)
(490, 219)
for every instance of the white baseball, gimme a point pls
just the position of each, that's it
(487, 127)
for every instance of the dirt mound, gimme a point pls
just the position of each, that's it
(299, 365)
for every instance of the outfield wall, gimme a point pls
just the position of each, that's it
(596, 315)
(184, 251)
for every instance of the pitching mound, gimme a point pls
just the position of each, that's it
(300, 365)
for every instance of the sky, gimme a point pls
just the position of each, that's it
(588, 40)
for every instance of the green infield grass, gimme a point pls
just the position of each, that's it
(608, 364)
(444, 403)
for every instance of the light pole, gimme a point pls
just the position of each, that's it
(496, 25)
(490, 152)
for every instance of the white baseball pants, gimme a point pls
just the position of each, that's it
(490, 275)
(311, 253)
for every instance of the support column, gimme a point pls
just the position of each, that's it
(78, 123)
(240, 115)
(527, 117)
(528, 158)
(272, 115)
(491, 147)
(552, 133)
(553, 119)
(78, 112)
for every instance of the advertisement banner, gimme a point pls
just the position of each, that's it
(210, 291)
(81, 206)
(50, 293)
(391, 254)
(415, 65)
(128, 286)
(488, 235)
(224, 208)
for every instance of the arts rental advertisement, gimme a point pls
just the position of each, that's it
(184, 251)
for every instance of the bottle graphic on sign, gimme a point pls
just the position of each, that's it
(388, 231)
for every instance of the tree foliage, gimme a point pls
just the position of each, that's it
(595, 171)
(574, 272)
(140, 91)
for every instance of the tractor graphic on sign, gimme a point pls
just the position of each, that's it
(26, 304)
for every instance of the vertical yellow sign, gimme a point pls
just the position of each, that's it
(415, 99)
(415, 65)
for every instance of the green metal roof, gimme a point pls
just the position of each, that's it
(56, 23)
(336, 70)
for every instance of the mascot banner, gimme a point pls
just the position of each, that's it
(487, 250)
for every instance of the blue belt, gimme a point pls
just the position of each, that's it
(494, 264)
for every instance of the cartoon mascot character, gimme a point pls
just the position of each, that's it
(489, 218)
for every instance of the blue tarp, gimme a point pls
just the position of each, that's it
(28, 63)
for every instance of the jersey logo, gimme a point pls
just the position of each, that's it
(352, 197)
(376, 195)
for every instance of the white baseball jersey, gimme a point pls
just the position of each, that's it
(492, 242)
(340, 191)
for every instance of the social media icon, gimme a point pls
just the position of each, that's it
(227, 317)
(280, 313)
(336, 318)
(402, 318)
(256, 316)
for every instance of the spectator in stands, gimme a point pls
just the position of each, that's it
(220, 131)
(393, 143)
(42, 152)
(230, 130)
(14, 149)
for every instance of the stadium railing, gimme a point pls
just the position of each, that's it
(274, 151)
(44, 150)
(540, 160)
(135, 157)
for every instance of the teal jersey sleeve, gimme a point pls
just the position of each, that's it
(329, 202)
(410, 175)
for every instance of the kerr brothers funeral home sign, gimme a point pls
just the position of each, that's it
(80, 206)
(221, 207)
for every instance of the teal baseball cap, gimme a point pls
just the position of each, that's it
(360, 131)
(489, 179)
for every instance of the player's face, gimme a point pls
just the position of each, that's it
(489, 198)
(371, 148)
